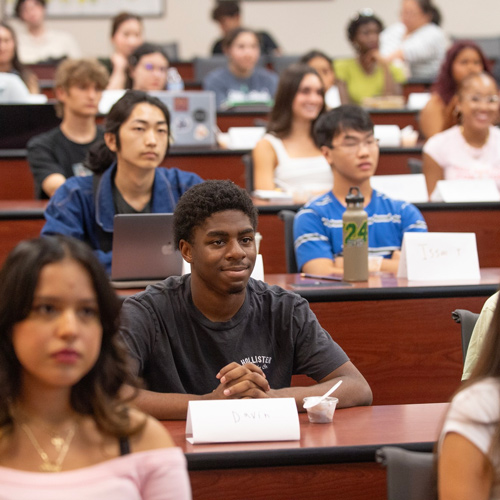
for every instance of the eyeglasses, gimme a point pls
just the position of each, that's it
(486, 99)
(354, 145)
(152, 67)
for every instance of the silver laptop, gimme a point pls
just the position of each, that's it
(192, 116)
(144, 250)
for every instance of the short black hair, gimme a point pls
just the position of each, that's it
(338, 120)
(199, 202)
(226, 9)
(17, 8)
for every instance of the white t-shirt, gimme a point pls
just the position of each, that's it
(13, 89)
(51, 45)
(423, 49)
(310, 174)
(474, 414)
(459, 160)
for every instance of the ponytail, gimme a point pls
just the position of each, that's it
(99, 158)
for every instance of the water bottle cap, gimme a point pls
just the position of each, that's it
(354, 195)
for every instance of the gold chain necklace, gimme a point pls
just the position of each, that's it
(60, 444)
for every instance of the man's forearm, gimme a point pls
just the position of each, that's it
(164, 406)
(354, 391)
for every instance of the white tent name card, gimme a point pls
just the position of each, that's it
(466, 190)
(439, 256)
(242, 420)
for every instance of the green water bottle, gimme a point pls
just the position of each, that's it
(355, 237)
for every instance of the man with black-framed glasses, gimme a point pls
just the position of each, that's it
(346, 138)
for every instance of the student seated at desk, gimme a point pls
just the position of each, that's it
(323, 64)
(126, 36)
(418, 40)
(470, 150)
(345, 137)
(58, 154)
(37, 43)
(148, 66)
(65, 429)
(127, 178)
(468, 448)
(9, 60)
(286, 157)
(369, 74)
(462, 59)
(242, 80)
(227, 15)
(217, 333)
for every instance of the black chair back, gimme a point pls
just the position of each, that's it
(467, 320)
(287, 217)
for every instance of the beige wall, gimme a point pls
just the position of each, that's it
(297, 25)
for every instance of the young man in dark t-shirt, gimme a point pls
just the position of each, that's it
(227, 15)
(218, 334)
(58, 154)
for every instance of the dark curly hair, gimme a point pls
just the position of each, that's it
(363, 17)
(97, 393)
(201, 201)
(338, 120)
(445, 84)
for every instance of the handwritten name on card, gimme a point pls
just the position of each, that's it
(439, 256)
(242, 420)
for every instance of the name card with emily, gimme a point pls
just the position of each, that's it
(242, 420)
(439, 256)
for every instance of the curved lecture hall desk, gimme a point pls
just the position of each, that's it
(331, 461)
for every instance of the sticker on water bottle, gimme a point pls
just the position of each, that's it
(354, 235)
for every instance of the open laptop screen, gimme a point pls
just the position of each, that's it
(144, 250)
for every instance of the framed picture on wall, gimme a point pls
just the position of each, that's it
(95, 8)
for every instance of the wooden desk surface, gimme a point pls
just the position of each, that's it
(386, 286)
(364, 429)
(330, 460)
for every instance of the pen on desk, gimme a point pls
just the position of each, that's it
(319, 277)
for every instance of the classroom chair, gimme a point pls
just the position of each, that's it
(172, 51)
(204, 65)
(280, 63)
(467, 320)
(411, 475)
(287, 217)
(490, 45)
(248, 162)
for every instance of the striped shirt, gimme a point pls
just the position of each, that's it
(318, 226)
